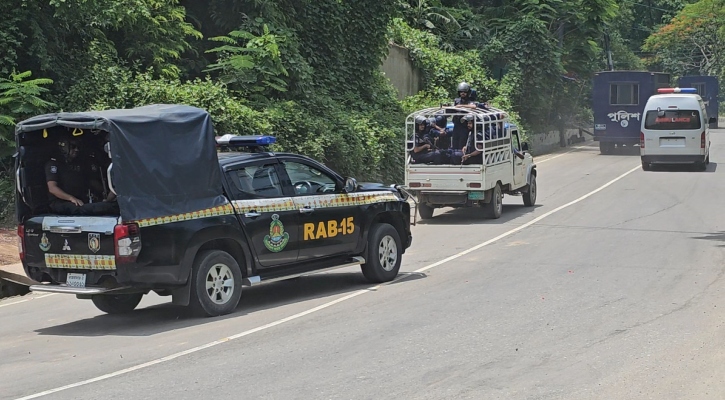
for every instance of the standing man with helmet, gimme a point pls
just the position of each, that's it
(467, 97)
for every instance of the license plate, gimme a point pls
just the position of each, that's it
(76, 280)
(475, 195)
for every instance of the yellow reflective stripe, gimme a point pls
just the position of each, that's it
(226, 209)
(316, 201)
(79, 261)
(278, 205)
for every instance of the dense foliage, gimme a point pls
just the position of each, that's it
(309, 71)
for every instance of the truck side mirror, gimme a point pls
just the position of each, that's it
(350, 185)
(524, 146)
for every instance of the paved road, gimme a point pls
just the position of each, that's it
(611, 288)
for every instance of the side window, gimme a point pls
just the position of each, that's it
(255, 181)
(624, 94)
(308, 180)
(516, 142)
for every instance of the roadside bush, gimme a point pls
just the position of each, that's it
(360, 142)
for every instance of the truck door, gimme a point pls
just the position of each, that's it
(270, 218)
(519, 166)
(330, 221)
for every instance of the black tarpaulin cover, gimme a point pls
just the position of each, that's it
(164, 156)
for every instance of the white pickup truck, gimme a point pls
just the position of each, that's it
(506, 166)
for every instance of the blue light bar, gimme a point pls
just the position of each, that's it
(677, 90)
(245, 141)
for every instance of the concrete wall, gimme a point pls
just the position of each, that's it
(541, 143)
(399, 68)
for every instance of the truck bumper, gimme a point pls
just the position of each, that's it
(673, 159)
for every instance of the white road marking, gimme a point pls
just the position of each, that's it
(560, 155)
(28, 299)
(528, 224)
(323, 306)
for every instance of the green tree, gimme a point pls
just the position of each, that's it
(693, 42)
(19, 98)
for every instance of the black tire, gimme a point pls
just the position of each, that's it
(494, 208)
(646, 166)
(117, 304)
(606, 148)
(530, 195)
(220, 296)
(383, 255)
(425, 211)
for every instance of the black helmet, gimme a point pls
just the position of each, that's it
(421, 120)
(67, 145)
(441, 120)
(464, 87)
(467, 118)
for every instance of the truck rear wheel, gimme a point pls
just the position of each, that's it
(494, 208)
(530, 196)
(606, 148)
(384, 254)
(425, 211)
(117, 304)
(216, 284)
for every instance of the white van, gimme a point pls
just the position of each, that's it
(675, 129)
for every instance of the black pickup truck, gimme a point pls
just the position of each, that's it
(200, 216)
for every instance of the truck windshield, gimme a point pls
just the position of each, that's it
(672, 119)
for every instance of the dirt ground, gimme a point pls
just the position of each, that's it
(8, 246)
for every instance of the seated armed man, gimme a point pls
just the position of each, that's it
(424, 151)
(471, 154)
(70, 184)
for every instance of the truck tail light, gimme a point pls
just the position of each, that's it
(702, 140)
(127, 240)
(21, 241)
(641, 140)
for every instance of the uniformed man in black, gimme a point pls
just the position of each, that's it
(467, 97)
(424, 151)
(471, 154)
(71, 185)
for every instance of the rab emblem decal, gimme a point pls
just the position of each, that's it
(277, 239)
(94, 242)
(44, 243)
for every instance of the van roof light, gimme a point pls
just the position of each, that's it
(677, 90)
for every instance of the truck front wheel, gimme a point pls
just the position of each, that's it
(530, 195)
(217, 284)
(384, 254)
(117, 304)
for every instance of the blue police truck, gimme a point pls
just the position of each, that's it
(618, 99)
(708, 88)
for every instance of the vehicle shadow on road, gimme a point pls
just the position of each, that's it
(712, 167)
(475, 215)
(161, 318)
(628, 151)
(717, 237)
